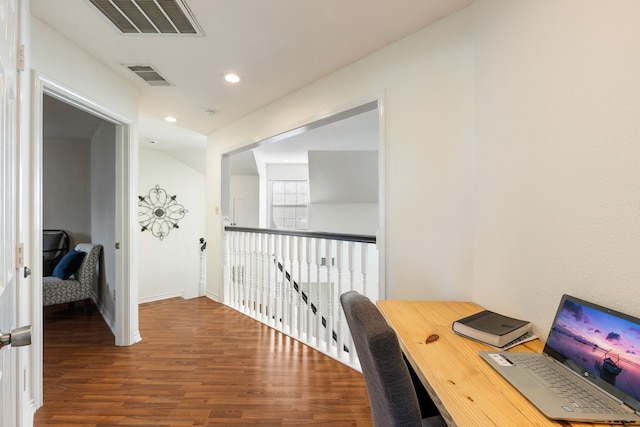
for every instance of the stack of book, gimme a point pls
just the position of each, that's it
(494, 329)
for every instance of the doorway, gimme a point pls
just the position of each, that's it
(78, 186)
(111, 199)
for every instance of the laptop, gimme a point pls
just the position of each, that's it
(589, 370)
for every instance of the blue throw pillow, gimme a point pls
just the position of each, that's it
(68, 264)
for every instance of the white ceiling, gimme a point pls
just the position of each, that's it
(358, 132)
(61, 120)
(355, 133)
(275, 46)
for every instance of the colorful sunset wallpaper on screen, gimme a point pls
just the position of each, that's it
(606, 346)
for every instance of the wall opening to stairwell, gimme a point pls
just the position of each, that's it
(337, 158)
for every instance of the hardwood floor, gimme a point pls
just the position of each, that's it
(199, 363)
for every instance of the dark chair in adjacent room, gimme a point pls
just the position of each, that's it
(391, 392)
(55, 245)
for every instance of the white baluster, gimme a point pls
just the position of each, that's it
(247, 274)
(232, 267)
(318, 318)
(338, 308)
(245, 262)
(238, 272)
(235, 271)
(257, 275)
(328, 303)
(239, 268)
(227, 269)
(284, 293)
(203, 270)
(273, 300)
(363, 254)
(352, 256)
(299, 301)
(292, 299)
(308, 310)
(264, 268)
(278, 251)
(253, 290)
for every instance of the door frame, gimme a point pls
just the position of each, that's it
(126, 302)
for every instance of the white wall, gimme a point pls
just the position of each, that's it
(343, 176)
(287, 171)
(557, 200)
(66, 187)
(343, 188)
(171, 267)
(103, 214)
(346, 218)
(511, 156)
(62, 61)
(426, 81)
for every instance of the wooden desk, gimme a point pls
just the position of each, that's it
(467, 391)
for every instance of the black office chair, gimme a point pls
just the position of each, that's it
(392, 396)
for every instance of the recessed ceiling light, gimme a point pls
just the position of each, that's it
(231, 78)
(209, 111)
(152, 141)
(171, 119)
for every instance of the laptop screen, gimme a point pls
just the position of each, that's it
(600, 344)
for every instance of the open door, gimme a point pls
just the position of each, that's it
(14, 408)
(7, 217)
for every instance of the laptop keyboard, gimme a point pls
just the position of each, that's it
(579, 398)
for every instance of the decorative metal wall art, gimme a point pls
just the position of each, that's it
(159, 212)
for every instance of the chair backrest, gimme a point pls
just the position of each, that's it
(55, 244)
(87, 271)
(391, 394)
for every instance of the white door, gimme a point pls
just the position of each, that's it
(8, 184)
(239, 216)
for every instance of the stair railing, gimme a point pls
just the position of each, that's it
(292, 281)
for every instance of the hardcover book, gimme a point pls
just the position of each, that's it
(491, 328)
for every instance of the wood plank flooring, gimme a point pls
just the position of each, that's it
(199, 363)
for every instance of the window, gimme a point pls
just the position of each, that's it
(289, 204)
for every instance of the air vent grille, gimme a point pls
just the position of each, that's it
(149, 16)
(149, 75)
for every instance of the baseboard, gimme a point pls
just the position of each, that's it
(213, 296)
(161, 297)
(105, 315)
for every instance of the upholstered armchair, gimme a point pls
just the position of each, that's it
(70, 286)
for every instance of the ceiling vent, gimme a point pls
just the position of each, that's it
(149, 75)
(170, 17)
